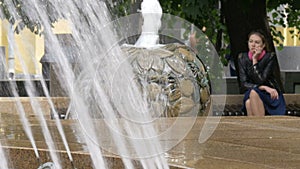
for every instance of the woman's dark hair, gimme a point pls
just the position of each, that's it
(261, 34)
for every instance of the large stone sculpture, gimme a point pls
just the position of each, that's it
(175, 79)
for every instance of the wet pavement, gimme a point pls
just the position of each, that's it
(236, 142)
(253, 142)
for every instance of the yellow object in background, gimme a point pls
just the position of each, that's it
(289, 40)
(28, 48)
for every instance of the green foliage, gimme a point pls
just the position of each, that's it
(203, 14)
(119, 8)
(285, 18)
(277, 36)
(15, 11)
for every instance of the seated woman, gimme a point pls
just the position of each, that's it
(262, 92)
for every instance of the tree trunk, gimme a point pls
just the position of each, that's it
(241, 18)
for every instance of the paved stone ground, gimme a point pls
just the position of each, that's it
(244, 143)
(239, 142)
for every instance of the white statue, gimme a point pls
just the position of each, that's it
(152, 12)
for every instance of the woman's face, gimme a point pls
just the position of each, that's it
(255, 43)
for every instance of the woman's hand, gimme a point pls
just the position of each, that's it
(271, 91)
(257, 52)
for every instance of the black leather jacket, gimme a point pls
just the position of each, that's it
(261, 73)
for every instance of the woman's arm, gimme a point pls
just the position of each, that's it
(273, 92)
(243, 74)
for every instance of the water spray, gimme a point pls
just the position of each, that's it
(11, 57)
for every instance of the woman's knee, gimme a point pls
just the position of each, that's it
(247, 103)
(253, 94)
(248, 107)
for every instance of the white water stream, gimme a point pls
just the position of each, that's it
(99, 59)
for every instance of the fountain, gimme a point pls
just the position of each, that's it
(129, 105)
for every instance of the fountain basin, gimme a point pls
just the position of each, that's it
(20, 154)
